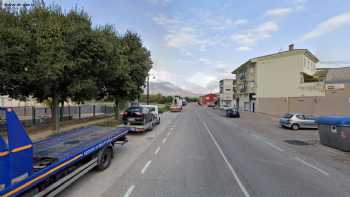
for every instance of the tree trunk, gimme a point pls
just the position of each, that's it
(55, 114)
(116, 113)
(62, 111)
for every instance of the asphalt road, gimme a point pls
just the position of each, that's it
(201, 153)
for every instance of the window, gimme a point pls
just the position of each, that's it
(134, 109)
(151, 109)
(309, 117)
(301, 117)
(288, 116)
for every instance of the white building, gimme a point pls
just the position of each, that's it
(226, 99)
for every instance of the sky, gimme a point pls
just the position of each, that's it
(196, 43)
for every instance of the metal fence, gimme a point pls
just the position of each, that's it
(42, 115)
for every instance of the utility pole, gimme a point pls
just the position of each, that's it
(148, 90)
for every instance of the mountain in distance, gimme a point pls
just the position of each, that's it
(168, 89)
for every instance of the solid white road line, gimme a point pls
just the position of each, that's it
(274, 146)
(164, 140)
(168, 134)
(312, 166)
(157, 150)
(234, 173)
(129, 191)
(146, 166)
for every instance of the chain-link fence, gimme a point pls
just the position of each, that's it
(42, 115)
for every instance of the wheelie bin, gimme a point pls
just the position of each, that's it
(334, 131)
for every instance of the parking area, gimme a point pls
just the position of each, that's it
(305, 142)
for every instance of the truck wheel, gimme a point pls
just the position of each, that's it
(295, 126)
(104, 158)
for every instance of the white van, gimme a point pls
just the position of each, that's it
(155, 111)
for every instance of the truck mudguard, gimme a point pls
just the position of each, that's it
(19, 160)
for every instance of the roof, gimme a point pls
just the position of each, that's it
(338, 75)
(295, 51)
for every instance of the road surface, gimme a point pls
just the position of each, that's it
(201, 153)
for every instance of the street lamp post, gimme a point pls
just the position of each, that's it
(153, 77)
(148, 90)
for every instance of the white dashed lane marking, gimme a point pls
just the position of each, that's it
(129, 191)
(157, 150)
(146, 166)
(312, 166)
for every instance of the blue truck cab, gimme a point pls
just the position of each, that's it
(46, 167)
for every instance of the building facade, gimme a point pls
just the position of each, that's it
(226, 94)
(261, 80)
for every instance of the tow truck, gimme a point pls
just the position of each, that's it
(46, 167)
(176, 105)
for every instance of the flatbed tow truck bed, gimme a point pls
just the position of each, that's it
(74, 142)
(46, 167)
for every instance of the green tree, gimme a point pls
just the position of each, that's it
(139, 62)
(52, 56)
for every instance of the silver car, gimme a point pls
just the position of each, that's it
(298, 120)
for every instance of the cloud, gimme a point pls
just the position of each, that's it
(296, 5)
(201, 79)
(240, 22)
(204, 60)
(279, 12)
(242, 48)
(221, 67)
(179, 33)
(159, 2)
(244, 39)
(267, 27)
(184, 34)
(328, 25)
(191, 84)
(178, 40)
(248, 39)
(201, 82)
(218, 23)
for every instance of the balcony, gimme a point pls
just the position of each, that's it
(312, 89)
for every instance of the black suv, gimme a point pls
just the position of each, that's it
(137, 115)
(232, 113)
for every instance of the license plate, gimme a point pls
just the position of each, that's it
(132, 129)
(131, 119)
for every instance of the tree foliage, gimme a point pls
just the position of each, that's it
(51, 55)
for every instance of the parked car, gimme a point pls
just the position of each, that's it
(155, 111)
(232, 113)
(226, 107)
(298, 120)
(137, 115)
